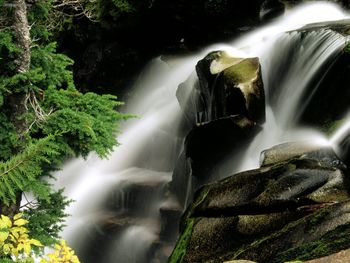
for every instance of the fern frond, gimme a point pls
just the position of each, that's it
(23, 169)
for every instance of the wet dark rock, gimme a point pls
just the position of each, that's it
(324, 232)
(208, 145)
(190, 100)
(181, 179)
(170, 213)
(284, 186)
(267, 215)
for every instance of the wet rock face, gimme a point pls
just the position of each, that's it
(223, 104)
(206, 150)
(282, 187)
(294, 207)
(206, 146)
(231, 86)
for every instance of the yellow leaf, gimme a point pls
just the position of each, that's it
(35, 242)
(14, 251)
(18, 216)
(20, 222)
(2, 224)
(6, 249)
(20, 247)
(6, 220)
(27, 248)
(14, 234)
(3, 235)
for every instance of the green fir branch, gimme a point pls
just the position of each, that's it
(23, 169)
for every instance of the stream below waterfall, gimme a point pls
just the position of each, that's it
(115, 217)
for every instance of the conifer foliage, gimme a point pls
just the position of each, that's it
(44, 119)
(21, 171)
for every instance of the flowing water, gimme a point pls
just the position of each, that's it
(116, 214)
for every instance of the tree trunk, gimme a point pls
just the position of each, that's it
(16, 101)
(21, 29)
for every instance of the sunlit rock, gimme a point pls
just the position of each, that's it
(231, 86)
(225, 86)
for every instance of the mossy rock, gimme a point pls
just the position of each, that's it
(243, 77)
(244, 71)
(280, 187)
(181, 246)
(322, 233)
(331, 126)
(231, 85)
(251, 215)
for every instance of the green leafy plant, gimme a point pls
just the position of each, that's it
(45, 120)
(16, 245)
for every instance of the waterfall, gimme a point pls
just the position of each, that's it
(115, 217)
(290, 70)
(116, 208)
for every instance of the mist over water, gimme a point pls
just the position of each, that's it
(151, 144)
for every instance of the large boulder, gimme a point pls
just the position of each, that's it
(209, 145)
(231, 86)
(208, 153)
(290, 209)
(321, 233)
(226, 86)
(302, 149)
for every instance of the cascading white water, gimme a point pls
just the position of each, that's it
(290, 62)
(290, 67)
(151, 144)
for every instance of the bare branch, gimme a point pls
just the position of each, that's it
(40, 114)
(66, 3)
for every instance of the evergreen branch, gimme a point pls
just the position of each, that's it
(22, 170)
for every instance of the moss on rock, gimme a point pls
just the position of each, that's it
(330, 243)
(330, 127)
(322, 233)
(244, 71)
(181, 246)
